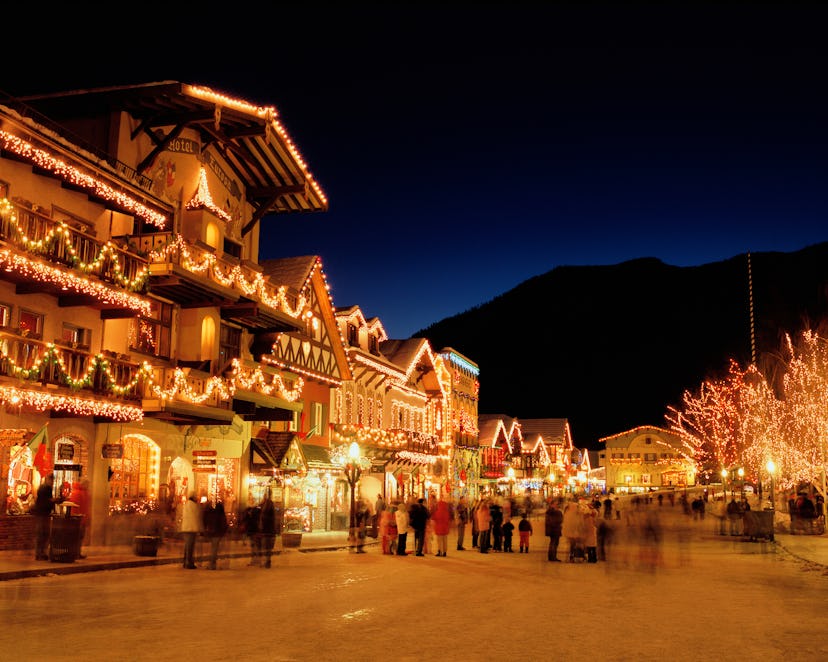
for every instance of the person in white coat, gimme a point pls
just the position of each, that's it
(190, 528)
(402, 527)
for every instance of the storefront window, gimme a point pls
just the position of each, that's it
(133, 482)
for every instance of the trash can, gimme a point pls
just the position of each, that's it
(64, 538)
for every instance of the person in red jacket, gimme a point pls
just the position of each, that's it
(442, 524)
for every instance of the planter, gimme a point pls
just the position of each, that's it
(146, 545)
(291, 539)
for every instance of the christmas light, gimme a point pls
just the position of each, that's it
(68, 173)
(203, 200)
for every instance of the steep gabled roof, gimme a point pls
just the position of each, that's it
(553, 430)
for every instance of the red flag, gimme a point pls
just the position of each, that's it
(43, 461)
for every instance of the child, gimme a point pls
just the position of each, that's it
(524, 531)
(508, 528)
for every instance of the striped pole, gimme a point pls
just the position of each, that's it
(752, 326)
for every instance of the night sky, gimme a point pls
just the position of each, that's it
(464, 151)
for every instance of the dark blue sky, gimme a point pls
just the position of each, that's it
(464, 151)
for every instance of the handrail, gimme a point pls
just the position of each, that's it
(59, 242)
(33, 360)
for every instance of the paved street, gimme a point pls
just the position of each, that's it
(703, 596)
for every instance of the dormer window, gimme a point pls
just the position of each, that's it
(373, 344)
(353, 335)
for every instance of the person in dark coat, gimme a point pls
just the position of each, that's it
(524, 533)
(215, 528)
(250, 529)
(43, 508)
(496, 513)
(267, 528)
(553, 523)
(418, 516)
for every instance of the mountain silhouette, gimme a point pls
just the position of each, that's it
(611, 347)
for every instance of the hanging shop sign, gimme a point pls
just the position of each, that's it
(204, 461)
(112, 451)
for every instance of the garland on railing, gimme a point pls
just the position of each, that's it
(207, 263)
(62, 232)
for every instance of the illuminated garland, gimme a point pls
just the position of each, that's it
(63, 233)
(179, 386)
(46, 274)
(250, 379)
(68, 173)
(206, 263)
(42, 401)
(99, 362)
(203, 200)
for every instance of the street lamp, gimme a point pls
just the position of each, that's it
(771, 467)
(724, 484)
(350, 458)
(741, 473)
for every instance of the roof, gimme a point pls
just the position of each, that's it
(250, 138)
(553, 430)
(291, 271)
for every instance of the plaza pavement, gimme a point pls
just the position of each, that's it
(21, 564)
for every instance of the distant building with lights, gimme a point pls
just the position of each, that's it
(645, 458)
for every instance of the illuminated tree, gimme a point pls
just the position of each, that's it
(805, 413)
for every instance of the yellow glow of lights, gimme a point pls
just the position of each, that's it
(46, 274)
(206, 263)
(68, 173)
(203, 200)
(269, 114)
(40, 401)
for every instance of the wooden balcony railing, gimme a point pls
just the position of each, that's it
(32, 360)
(169, 248)
(34, 233)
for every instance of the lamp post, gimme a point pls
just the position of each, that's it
(771, 467)
(353, 471)
(741, 472)
(724, 485)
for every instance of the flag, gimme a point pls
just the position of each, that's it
(43, 458)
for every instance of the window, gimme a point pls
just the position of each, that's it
(648, 441)
(153, 334)
(229, 344)
(649, 457)
(634, 456)
(373, 344)
(134, 476)
(30, 324)
(75, 336)
(317, 418)
(5, 315)
(232, 249)
(353, 335)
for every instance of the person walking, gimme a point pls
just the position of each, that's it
(189, 528)
(250, 529)
(215, 528)
(483, 519)
(267, 528)
(590, 516)
(553, 521)
(363, 515)
(473, 520)
(496, 526)
(462, 517)
(43, 508)
(403, 525)
(442, 525)
(524, 533)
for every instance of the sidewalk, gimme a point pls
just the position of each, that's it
(21, 564)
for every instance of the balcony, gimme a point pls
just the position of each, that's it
(261, 394)
(195, 277)
(77, 255)
(185, 396)
(67, 370)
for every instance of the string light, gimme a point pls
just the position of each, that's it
(46, 274)
(203, 200)
(45, 161)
